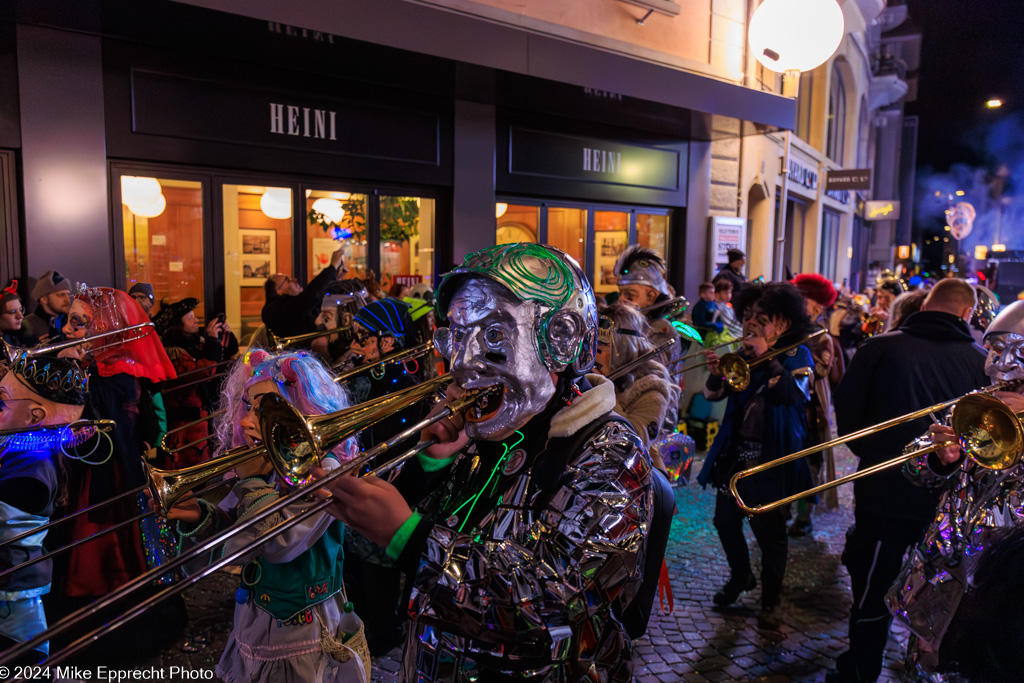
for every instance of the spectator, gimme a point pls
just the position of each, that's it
(292, 310)
(143, 293)
(905, 305)
(705, 312)
(723, 301)
(12, 316)
(931, 358)
(733, 271)
(52, 293)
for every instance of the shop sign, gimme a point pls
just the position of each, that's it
(848, 179)
(801, 175)
(881, 210)
(841, 196)
(176, 106)
(553, 155)
(726, 233)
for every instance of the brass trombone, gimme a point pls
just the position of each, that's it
(678, 305)
(279, 344)
(143, 580)
(12, 352)
(736, 369)
(279, 420)
(377, 367)
(986, 428)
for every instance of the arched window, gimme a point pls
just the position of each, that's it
(836, 117)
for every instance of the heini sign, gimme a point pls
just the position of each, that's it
(303, 121)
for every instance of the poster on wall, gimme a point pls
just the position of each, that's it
(258, 255)
(608, 245)
(323, 249)
(726, 233)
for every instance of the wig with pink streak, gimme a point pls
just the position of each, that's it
(302, 380)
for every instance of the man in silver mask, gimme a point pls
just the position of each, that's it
(531, 535)
(976, 502)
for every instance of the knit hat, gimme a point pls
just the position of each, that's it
(143, 288)
(734, 255)
(56, 379)
(51, 281)
(817, 288)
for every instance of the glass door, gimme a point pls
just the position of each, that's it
(611, 237)
(406, 243)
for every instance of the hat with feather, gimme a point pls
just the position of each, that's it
(639, 265)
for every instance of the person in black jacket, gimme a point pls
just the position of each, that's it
(932, 358)
(290, 309)
(733, 271)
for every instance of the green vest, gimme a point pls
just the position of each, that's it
(285, 590)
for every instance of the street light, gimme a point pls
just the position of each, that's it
(994, 103)
(787, 37)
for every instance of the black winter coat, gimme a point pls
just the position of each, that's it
(932, 358)
(289, 316)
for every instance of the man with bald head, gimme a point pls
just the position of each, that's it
(931, 358)
(291, 309)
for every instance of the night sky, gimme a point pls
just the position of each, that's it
(972, 51)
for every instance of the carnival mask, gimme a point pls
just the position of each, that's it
(491, 340)
(1005, 362)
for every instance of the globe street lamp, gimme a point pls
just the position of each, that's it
(788, 37)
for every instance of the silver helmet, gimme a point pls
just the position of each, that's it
(639, 265)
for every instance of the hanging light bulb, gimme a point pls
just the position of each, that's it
(499, 209)
(151, 209)
(139, 190)
(330, 208)
(276, 202)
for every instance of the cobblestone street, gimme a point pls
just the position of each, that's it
(696, 642)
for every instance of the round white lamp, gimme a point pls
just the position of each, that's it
(150, 209)
(139, 190)
(795, 35)
(276, 202)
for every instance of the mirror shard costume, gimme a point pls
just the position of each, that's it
(518, 554)
(975, 503)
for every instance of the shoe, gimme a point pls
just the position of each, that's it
(800, 528)
(770, 618)
(732, 589)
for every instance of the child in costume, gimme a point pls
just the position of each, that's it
(290, 605)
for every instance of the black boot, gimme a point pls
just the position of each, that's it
(732, 589)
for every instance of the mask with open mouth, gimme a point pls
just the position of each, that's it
(491, 345)
(1005, 362)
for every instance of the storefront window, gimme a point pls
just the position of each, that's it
(335, 220)
(406, 241)
(257, 244)
(163, 236)
(652, 232)
(611, 237)
(516, 223)
(567, 229)
(829, 243)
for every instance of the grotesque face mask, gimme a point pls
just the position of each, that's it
(492, 342)
(1005, 362)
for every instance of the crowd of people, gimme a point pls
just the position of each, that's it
(525, 539)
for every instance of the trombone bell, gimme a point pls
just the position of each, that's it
(988, 431)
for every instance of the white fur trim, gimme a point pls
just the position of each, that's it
(585, 409)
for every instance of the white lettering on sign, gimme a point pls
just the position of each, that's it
(606, 94)
(303, 121)
(601, 161)
(295, 32)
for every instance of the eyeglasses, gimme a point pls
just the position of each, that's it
(362, 336)
(16, 310)
(78, 322)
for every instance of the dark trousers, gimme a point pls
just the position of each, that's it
(769, 530)
(875, 547)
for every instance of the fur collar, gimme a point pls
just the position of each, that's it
(585, 409)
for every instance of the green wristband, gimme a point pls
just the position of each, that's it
(402, 536)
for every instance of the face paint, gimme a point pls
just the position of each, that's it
(492, 337)
(1005, 362)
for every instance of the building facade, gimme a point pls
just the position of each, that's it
(408, 134)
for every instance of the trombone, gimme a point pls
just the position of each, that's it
(458, 405)
(279, 344)
(679, 305)
(280, 421)
(12, 352)
(378, 367)
(985, 427)
(736, 369)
